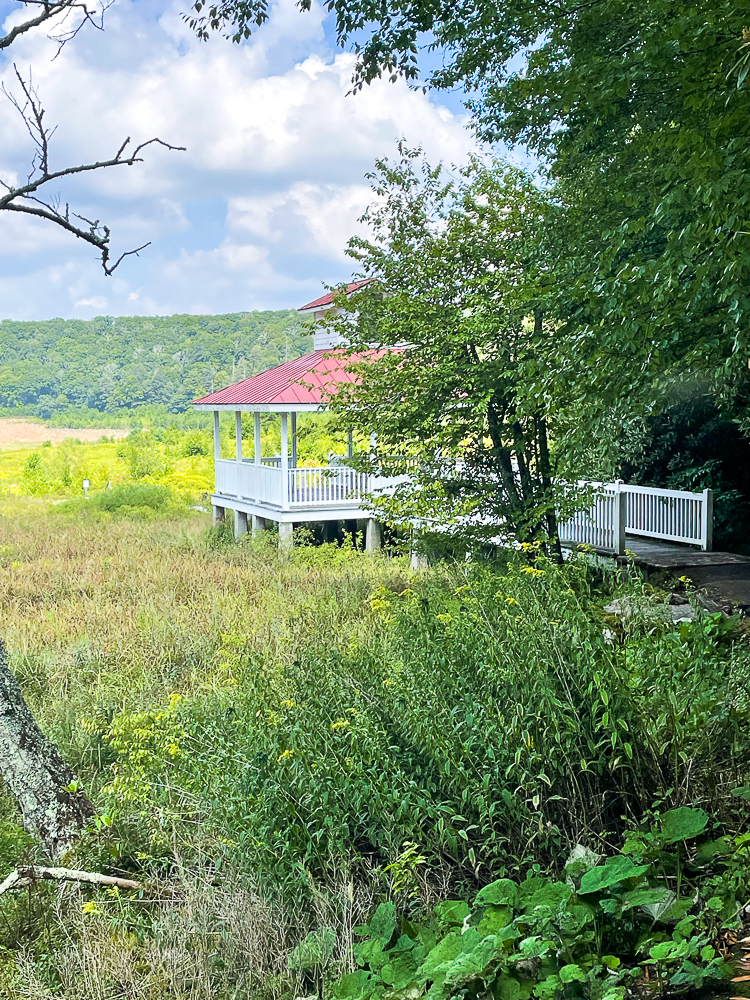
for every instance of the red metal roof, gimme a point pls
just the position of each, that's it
(300, 381)
(327, 300)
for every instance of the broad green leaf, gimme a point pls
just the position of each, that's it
(474, 964)
(383, 923)
(314, 951)
(441, 956)
(452, 912)
(660, 896)
(504, 890)
(683, 823)
(370, 953)
(399, 972)
(353, 986)
(614, 870)
(710, 849)
(551, 894)
(529, 886)
(495, 918)
(568, 973)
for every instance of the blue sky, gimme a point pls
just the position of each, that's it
(256, 213)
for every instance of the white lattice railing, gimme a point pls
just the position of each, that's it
(619, 509)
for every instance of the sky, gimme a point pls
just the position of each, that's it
(255, 214)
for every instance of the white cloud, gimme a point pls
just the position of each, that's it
(97, 302)
(256, 212)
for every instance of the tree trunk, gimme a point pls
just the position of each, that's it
(35, 772)
(546, 470)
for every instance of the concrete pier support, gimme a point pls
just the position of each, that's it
(259, 524)
(217, 515)
(286, 537)
(240, 523)
(373, 536)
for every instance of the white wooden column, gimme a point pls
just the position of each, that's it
(707, 521)
(285, 458)
(294, 439)
(257, 438)
(238, 434)
(621, 518)
(217, 439)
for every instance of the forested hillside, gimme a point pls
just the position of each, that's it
(110, 363)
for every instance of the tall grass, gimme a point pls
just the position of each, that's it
(294, 741)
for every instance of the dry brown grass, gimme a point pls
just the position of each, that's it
(17, 432)
(209, 941)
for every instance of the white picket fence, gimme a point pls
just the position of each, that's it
(619, 509)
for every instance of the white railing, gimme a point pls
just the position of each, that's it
(333, 485)
(302, 487)
(619, 509)
(261, 483)
(602, 525)
(674, 515)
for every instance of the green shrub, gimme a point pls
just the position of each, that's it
(195, 443)
(149, 495)
(589, 934)
(491, 725)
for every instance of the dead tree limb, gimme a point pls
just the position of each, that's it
(66, 16)
(24, 198)
(53, 806)
(28, 874)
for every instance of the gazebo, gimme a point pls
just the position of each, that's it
(273, 488)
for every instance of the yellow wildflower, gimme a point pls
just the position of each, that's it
(341, 724)
(286, 755)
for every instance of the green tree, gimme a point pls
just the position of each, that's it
(639, 115)
(458, 267)
(114, 363)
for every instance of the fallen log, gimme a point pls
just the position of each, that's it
(28, 874)
(53, 805)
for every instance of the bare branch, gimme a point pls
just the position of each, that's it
(60, 11)
(24, 198)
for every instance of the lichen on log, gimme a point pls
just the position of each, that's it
(35, 772)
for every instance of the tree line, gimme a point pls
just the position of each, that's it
(113, 363)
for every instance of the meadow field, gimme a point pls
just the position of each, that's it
(21, 433)
(336, 776)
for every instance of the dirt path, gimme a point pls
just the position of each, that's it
(17, 432)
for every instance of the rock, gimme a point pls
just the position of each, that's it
(627, 607)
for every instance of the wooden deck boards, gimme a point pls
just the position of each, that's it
(724, 577)
(664, 555)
